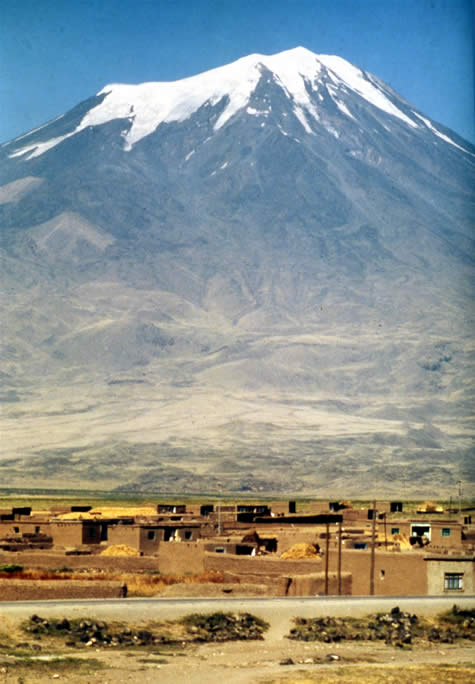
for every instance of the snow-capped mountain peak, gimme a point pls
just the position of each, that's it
(299, 72)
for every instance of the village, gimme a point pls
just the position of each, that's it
(272, 549)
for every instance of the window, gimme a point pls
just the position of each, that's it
(220, 549)
(92, 532)
(453, 581)
(151, 534)
(446, 531)
(16, 530)
(37, 530)
(420, 531)
(395, 530)
(188, 534)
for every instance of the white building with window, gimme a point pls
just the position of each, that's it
(448, 575)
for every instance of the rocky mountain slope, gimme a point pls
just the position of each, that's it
(255, 279)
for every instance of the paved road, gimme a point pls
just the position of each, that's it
(277, 611)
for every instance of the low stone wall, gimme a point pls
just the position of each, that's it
(314, 585)
(50, 561)
(260, 565)
(29, 590)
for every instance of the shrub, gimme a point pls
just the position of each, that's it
(11, 568)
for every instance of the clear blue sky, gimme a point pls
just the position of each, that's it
(56, 53)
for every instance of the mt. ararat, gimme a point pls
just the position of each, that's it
(258, 279)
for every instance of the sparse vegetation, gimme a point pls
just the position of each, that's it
(224, 626)
(396, 628)
(379, 674)
(84, 632)
(22, 666)
(10, 569)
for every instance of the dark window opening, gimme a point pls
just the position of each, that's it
(151, 534)
(420, 530)
(188, 534)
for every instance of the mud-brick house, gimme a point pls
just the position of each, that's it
(443, 534)
(18, 523)
(179, 509)
(20, 531)
(74, 533)
(450, 575)
(146, 537)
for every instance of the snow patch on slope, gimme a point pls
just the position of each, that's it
(439, 134)
(342, 72)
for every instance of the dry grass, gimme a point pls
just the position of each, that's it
(387, 674)
(138, 584)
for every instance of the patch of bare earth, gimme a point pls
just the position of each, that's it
(275, 660)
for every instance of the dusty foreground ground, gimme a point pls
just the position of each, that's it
(274, 660)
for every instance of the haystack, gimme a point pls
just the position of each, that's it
(120, 550)
(403, 541)
(430, 507)
(300, 551)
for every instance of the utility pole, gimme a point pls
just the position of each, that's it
(327, 550)
(339, 559)
(460, 496)
(373, 549)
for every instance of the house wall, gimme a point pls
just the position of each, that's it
(149, 539)
(124, 534)
(185, 558)
(67, 533)
(260, 565)
(436, 569)
(396, 574)
(287, 537)
(19, 527)
(439, 539)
